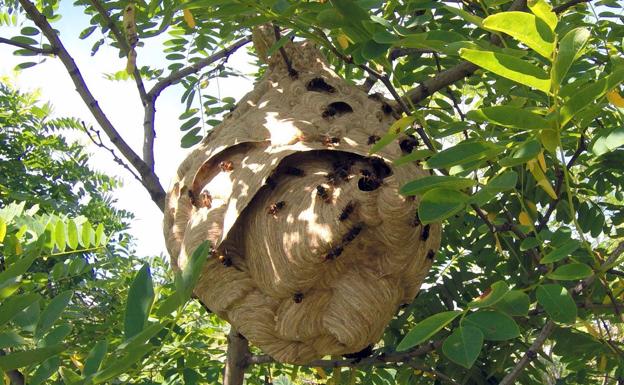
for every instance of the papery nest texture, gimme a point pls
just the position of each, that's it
(314, 247)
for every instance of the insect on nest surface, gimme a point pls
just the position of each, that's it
(315, 249)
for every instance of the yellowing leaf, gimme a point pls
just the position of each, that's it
(542, 161)
(499, 247)
(491, 216)
(590, 329)
(18, 248)
(545, 184)
(76, 360)
(532, 207)
(321, 373)
(343, 41)
(603, 363)
(189, 19)
(540, 178)
(524, 219)
(615, 98)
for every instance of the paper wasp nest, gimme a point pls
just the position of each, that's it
(315, 249)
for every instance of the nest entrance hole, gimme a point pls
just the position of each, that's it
(337, 109)
(320, 85)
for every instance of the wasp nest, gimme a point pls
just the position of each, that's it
(314, 247)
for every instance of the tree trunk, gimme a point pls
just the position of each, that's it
(237, 359)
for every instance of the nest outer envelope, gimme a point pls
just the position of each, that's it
(280, 290)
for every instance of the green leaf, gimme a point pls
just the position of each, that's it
(590, 93)
(561, 252)
(557, 302)
(20, 359)
(29, 31)
(142, 337)
(509, 67)
(529, 243)
(514, 303)
(94, 359)
(426, 183)
(86, 235)
(373, 50)
(462, 153)
(503, 182)
(415, 155)
(571, 272)
(525, 151)
(45, 370)
(69, 376)
(10, 339)
(55, 336)
(189, 123)
(440, 203)
(16, 269)
(463, 345)
(139, 303)
(494, 325)
(526, 28)
(72, 234)
(60, 235)
(469, 17)
(508, 116)
(570, 48)
(52, 312)
(15, 304)
(426, 328)
(191, 138)
(100, 238)
(118, 366)
(497, 291)
(544, 11)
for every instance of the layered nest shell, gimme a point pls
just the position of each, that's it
(314, 248)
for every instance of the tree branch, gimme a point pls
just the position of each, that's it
(149, 132)
(176, 77)
(152, 95)
(44, 51)
(148, 177)
(123, 44)
(465, 68)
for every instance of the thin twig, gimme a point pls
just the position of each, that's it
(96, 138)
(435, 372)
(43, 51)
(148, 177)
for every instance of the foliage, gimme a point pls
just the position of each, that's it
(527, 163)
(40, 167)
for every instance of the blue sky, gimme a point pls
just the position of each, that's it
(120, 102)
